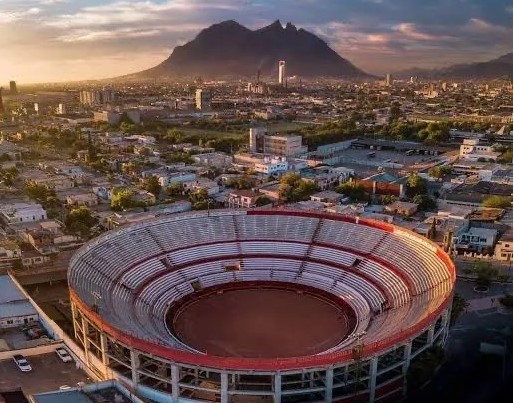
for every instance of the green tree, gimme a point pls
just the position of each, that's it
(424, 202)
(459, 305)
(387, 199)
(200, 200)
(506, 157)
(355, 191)
(152, 185)
(485, 272)
(415, 185)
(440, 171)
(293, 188)
(175, 189)
(262, 201)
(80, 220)
(497, 202)
(122, 199)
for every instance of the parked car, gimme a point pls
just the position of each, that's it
(64, 387)
(22, 363)
(63, 355)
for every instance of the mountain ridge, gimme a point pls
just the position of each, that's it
(494, 68)
(230, 49)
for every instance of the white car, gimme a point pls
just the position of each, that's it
(63, 355)
(22, 363)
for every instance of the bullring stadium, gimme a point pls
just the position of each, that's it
(260, 305)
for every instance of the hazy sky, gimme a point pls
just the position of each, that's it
(57, 40)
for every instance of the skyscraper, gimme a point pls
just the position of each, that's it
(203, 99)
(12, 86)
(1, 101)
(388, 80)
(281, 72)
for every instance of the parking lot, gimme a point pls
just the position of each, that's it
(48, 373)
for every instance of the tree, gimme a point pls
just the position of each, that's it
(152, 185)
(387, 199)
(175, 189)
(424, 202)
(459, 305)
(395, 112)
(293, 188)
(200, 199)
(415, 185)
(497, 202)
(262, 201)
(485, 272)
(506, 157)
(80, 220)
(355, 191)
(440, 171)
(122, 199)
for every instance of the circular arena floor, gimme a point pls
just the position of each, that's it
(264, 321)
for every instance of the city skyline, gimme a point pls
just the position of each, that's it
(65, 40)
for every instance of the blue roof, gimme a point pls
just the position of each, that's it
(72, 396)
(13, 302)
(9, 291)
(16, 309)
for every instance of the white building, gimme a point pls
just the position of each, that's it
(272, 165)
(281, 72)
(216, 159)
(472, 150)
(22, 212)
(176, 177)
(15, 309)
(476, 239)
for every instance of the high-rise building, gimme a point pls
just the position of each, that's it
(203, 99)
(281, 72)
(97, 97)
(12, 86)
(288, 145)
(388, 80)
(61, 109)
(1, 101)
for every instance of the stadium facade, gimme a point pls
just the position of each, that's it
(123, 284)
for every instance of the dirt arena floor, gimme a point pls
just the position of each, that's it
(261, 322)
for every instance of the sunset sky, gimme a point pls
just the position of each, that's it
(60, 40)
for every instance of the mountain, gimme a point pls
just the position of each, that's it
(229, 49)
(496, 68)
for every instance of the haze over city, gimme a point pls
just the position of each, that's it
(60, 40)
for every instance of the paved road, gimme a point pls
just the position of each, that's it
(467, 375)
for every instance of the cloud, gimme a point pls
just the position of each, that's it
(377, 35)
(8, 17)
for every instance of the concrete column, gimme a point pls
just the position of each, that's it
(224, 387)
(406, 363)
(74, 318)
(406, 357)
(103, 347)
(277, 388)
(84, 340)
(174, 383)
(134, 364)
(373, 365)
(329, 384)
(430, 336)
